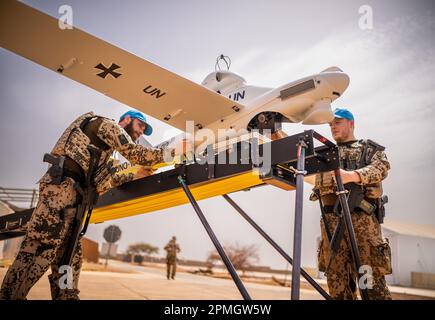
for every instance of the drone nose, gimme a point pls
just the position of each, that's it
(339, 81)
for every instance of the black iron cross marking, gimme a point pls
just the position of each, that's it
(107, 71)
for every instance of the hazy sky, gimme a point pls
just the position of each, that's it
(391, 93)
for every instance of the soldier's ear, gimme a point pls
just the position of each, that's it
(125, 121)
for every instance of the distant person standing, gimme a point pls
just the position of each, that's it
(172, 248)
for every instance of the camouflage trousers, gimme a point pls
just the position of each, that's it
(375, 255)
(171, 268)
(44, 245)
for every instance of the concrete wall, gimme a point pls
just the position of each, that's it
(90, 250)
(410, 254)
(415, 255)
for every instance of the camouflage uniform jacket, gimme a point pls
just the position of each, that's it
(350, 153)
(172, 248)
(73, 144)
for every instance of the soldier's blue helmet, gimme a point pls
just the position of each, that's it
(139, 115)
(343, 114)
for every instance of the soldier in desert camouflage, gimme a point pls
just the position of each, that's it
(374, 250)
(172, 248)
(49, 228)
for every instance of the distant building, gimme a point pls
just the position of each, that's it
(413, 253)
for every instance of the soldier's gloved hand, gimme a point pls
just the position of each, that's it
(373, 192)
(279, 134)
(143, 172)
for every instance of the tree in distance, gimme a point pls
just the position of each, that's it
(137, 250)
(242, 256)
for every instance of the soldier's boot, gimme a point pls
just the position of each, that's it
(61, 294)
(174, 270)
(12, 286)
(341, 284)
(341, 289)
(64, 281)
(380, 289)
(68, 294)
(54, 286)
(58, 292)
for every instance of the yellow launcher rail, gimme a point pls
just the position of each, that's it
(175, 197)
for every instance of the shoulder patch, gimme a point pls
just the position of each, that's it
(371, 148)
(375, 145)
(122, 139)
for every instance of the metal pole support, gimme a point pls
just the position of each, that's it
(297, 235)
(276, 246)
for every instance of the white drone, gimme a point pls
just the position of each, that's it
(223, 101)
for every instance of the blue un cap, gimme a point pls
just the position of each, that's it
(138, 115)
(343, 114)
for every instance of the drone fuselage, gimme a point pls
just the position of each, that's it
(307, 100)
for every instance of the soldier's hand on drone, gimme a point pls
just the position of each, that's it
(279, 134)
(143, 172)
(184, 148)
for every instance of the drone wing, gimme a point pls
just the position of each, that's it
(108, 69)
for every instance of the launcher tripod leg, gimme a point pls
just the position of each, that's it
(276, 246)
(215, 241)
(297, 235)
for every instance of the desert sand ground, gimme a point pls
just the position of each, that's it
(124, 281)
